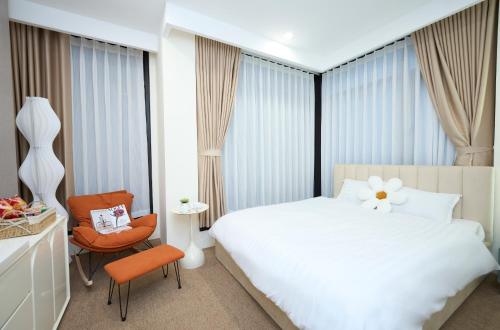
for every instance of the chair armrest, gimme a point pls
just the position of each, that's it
(85, 235)
(145, 221)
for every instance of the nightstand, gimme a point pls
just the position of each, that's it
(194, 256)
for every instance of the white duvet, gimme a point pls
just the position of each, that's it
(333, 265)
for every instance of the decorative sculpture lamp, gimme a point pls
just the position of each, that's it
(41, 171)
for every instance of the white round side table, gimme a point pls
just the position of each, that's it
(194, 256)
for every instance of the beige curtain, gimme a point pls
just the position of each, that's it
(457, 57)
(41, 65)
(217, 68)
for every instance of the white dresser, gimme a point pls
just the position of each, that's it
(34, 279)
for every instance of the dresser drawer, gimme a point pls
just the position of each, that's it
(23, 316)
(15, 285)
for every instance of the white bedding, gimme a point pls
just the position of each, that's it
(333, 265)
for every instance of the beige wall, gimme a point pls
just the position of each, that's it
(8, 162)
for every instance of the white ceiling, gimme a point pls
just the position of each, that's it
(326, 32)
(317, 25)
(142, 15)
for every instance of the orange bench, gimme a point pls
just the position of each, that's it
(136, 265)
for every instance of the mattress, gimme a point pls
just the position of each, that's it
(328, 264)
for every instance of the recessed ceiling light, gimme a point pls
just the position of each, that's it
(287, 36)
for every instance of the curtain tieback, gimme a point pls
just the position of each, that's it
(473, 150)
(211, 153)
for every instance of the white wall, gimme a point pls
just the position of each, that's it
(154, 107)
(177, 139)
(496, 155)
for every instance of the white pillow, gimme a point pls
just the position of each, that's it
(426, 204)
(350, 189)
(473, 226)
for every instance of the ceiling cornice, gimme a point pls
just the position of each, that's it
(186, 20)
(35, 14)
(190, 21)
(178, 17)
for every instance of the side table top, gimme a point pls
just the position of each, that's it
(193, 208)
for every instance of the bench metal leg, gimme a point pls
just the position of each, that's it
(123, 316)
(110, 290)
(163, 271)
(177, 273)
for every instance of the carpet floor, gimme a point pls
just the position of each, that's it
(211, 298)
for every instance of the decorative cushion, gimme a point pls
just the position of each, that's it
(80, 206)
(379, 195)
(109, 220)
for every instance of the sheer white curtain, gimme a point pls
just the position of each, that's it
(268, 155)
(376, 110)
(109, 121)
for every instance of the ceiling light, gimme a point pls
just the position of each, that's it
(287, 36)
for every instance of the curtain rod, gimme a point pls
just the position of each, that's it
(278, 63)
(369, 53)
(102, 42)
(336, 67)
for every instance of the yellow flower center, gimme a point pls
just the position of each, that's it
(381, 195)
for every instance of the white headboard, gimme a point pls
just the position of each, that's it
(474, 183)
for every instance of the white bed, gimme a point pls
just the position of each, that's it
(330, 264)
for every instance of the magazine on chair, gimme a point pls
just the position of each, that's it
(112, 220)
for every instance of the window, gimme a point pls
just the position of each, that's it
(268, 155)
(110, 149)
(376, 110)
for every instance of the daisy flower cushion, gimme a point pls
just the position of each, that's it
(380, 195)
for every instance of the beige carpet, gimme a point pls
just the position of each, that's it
(211, 299)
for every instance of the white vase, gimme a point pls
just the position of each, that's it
(41, 171)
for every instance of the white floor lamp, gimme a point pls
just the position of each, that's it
(41, 171)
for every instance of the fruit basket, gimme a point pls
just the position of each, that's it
(19, 219)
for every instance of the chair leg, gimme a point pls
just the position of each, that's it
(148, 244)
(87, 278)
(84, 277)
(90, 266)
(97, 266)
(163, 271)
(135, 249)
(111, 289)
(177, 274)
(123, 316)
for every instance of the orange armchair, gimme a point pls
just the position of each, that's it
(85, 237)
